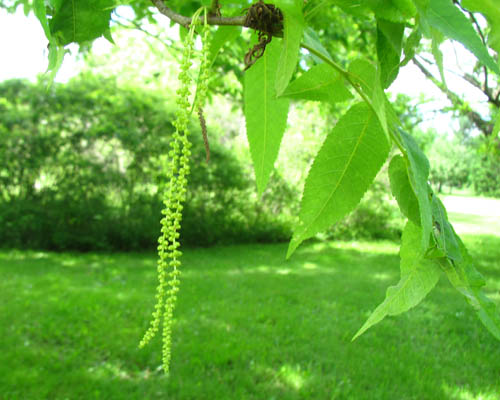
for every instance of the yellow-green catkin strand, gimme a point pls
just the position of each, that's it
(174, 196)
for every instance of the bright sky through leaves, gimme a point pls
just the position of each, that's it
(26, 57)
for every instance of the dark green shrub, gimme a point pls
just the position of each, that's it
(376, 217)
(82, 168)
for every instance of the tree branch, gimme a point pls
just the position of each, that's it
(463, 108)
(473, 81)
(474, 21)
(186, 21)
(169, 45)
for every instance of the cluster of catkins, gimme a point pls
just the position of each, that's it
(175, 194)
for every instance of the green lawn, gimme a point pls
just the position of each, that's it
(249, 326)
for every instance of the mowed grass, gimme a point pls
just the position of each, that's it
(249, 325)
(474, 215)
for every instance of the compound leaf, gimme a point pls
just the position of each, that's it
(342, 171)
(265, 114)
(418, 278)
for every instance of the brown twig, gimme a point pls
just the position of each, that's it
(203, 125)
(484, 126)
(186, 21)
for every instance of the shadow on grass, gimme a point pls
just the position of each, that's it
(250, 325)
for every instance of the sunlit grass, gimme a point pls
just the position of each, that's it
(250, 325)
(474, 215)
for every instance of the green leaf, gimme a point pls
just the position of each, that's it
(56, 52)
(444, 16)
(55, 4)
(342, 171)
(468, 281)
(367, 77)
(437, 39)
(223, 35)
(392, 10)
(411, 45)
(443, 232)
(491, 11)
(265, 114)
(418, 278)
(41, 13)
(320, 83)
(402, 190)
(81, 21)
(389, 47)
(418, 172)
(311, 39)
(293, 26)
(496, 128)
(56, 57)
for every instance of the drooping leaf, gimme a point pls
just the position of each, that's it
(389, 47)
(367, 77)
(402, 190)
(223, 35)
(468, 281)
(56, 57)
(342, 171)
(443, 232)
(418, 278)
(265, 114)
(80, 21)
(444, 16)
(293, 26)
(56, 52)
(491, 11)
(418, 172)
(320, 83)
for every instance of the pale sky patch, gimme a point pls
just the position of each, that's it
(23, 52)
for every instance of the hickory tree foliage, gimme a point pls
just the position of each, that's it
(287, 33)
